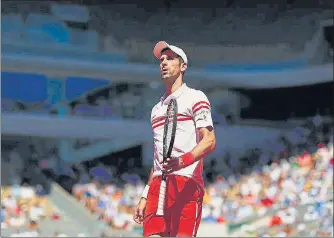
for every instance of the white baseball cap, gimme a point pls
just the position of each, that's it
(161, 45)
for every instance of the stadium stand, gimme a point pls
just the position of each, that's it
(256, 33)
(105, 101)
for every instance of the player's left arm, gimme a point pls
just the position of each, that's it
(201, 110)
(206, 145)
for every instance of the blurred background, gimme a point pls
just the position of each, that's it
(78, 81)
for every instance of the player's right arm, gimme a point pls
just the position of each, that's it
(138, 215)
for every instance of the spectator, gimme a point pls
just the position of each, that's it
(27, 192)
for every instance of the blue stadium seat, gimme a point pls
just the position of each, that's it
(27, 88)
(49, 28)
(38, 36)
(59, 33)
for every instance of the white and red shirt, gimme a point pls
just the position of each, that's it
(194, 112)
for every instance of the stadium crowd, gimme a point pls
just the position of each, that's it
(26, 209)
(23, 210)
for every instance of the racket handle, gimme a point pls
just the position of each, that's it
(162, 196)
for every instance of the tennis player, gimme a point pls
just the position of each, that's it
(194, 140)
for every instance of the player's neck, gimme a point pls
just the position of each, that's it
(171, 88)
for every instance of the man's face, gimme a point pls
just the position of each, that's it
(171, 66)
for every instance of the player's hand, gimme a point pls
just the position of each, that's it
(172, 164)
(138, 215)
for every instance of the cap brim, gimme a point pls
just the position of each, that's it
(159, 47)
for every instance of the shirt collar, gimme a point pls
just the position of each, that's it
(175, 94)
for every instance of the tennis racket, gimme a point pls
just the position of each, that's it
(168, 142)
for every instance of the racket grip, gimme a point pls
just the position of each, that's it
(162, 196)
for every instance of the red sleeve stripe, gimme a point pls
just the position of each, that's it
(158, 119)
(162, 118)
(201, 107)
(199, 104)
(180, 117)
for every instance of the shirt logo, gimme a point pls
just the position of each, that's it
(203, 114)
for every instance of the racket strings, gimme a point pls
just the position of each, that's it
(169, 133)
(169, 127)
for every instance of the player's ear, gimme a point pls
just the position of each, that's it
(183, 67)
